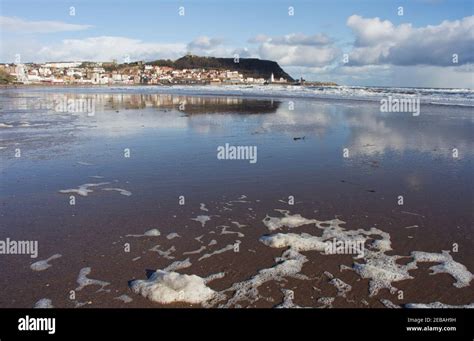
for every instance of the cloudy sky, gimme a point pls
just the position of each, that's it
(350, 42)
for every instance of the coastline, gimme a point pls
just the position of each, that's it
(427, 96)
(79, 85)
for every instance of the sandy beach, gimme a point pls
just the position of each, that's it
(246, 234)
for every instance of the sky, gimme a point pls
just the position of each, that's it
(415, 43)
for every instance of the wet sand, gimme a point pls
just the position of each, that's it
(173, 153)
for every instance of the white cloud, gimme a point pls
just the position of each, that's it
(344, 75)
(244, 53)
(215, 47)
(433, 76)
(383, 53)
(302, 39)
(105, 48)
(204, 43)
(297, 49)
(259, 38)
(381, 42)
(18, 25)
(392, 75)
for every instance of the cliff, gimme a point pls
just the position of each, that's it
(249, 67)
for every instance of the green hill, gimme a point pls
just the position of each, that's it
(249, 67)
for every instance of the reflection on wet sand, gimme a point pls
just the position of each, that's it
(123, 101)
(231, 204)
(366, 131)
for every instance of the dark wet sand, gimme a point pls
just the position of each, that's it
(174, 153)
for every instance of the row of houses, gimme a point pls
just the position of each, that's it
(126, 74)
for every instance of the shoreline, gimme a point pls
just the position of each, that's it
(307, 84)
(357, 94)
(155, 85)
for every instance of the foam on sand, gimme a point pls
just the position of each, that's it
(84, 281)
(44, 303)
(438, 305)
(381, 269)
(44, 264)
(202, 248)
(120, 190)
(149, 233)
(172, 236)
(202, 207)
(411, 226)
(179, 264)
(326, 302)
(288, 296)
(225, 231)
(152, 233)
(83, 190)
(446, 265)
(291, 262)
(79, 304)
(168, 286)
(217, 252)
(124, 298)
(298, 242)
(240, 200)
(389, 304)
(288, 265)
(202, 219)
(342, 287)
(165, 254)
(274, 223)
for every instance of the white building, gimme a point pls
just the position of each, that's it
(117, 78)
(44, 71)
(95, 78)
(63, 65)
(21, 74)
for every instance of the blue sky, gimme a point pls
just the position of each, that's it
(383, 47)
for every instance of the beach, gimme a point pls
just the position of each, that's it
(133, 184)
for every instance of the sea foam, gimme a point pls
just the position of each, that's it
(169, 286)
(83, 190)
(44, 264)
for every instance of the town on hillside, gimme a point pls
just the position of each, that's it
(111, 73)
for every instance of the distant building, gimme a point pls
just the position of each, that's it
(63, 65)
(95, 73)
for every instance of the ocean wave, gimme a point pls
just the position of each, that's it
(434, 96)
